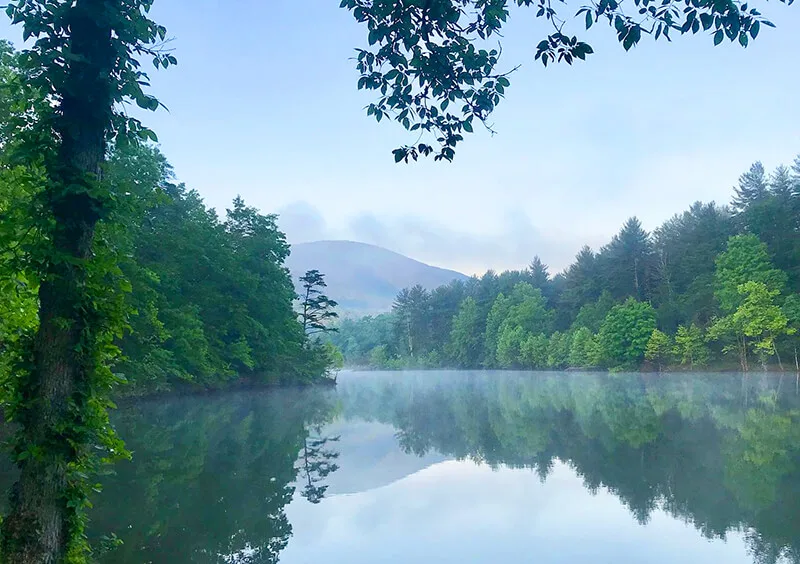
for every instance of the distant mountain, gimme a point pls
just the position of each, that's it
(363, 278)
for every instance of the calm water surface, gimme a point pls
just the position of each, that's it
(464, 467)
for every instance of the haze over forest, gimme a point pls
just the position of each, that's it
(574, 162)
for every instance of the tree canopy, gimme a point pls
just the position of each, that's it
(706, 287)
(436, 71)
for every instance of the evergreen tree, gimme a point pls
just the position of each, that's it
(317, 309)
(582, 284)
(538, 273)
(686, 247)
(782, 184)
(753, 187)
(627, 262)
(412, 314)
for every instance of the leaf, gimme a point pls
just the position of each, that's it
(468, 127)
(589, 19)
(718, 37)
(754, 29)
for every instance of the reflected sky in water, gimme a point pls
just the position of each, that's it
(459, 511)
(463, 467)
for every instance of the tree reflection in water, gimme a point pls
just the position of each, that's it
(212, 476)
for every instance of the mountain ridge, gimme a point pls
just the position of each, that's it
(362, 277)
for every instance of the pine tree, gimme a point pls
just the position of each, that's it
(753, 187)
(317, 308)
(581, 283)
(627, 262)
(782, 184)
(538, 273)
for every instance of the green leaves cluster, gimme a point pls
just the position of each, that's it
(428, 62)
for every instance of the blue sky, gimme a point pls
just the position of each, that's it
(264, 104)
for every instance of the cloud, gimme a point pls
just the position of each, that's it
(302, 222)
(513, 245)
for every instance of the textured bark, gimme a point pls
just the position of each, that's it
(37, 528)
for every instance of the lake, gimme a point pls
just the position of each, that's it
(463, 467)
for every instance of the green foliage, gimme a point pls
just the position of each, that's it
(222, 447)
(627, 262)
(80, 69)
(558, 350)
(317, 309)
(746, 259)
(187, 331)
(625, 333)
(592, 315)
(509, 346)
(755, 324)
(529, 310)
(433, 73)
(690, 346)
(412, 315)
(759, 318)
(583, 352)
(659, 349)
(358, 339)
(497, 314)
(466, 336)
(685, 274)
(686, 247)
(534, 350)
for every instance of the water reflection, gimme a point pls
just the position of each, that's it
(210, 477)
(225, 479)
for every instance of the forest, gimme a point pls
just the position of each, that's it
(713, 287)
(717, 452)
(206, 300)
(112, 272)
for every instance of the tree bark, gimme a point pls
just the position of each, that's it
(56, 393)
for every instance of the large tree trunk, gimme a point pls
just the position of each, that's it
(56, 394)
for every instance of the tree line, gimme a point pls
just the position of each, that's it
(717, 452)
(83, 63)
(207, 300)
(714, 285)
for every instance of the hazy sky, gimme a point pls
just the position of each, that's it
(264, 104)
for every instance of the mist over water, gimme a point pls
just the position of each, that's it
(464, 467)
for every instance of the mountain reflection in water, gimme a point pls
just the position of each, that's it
(463, 467)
